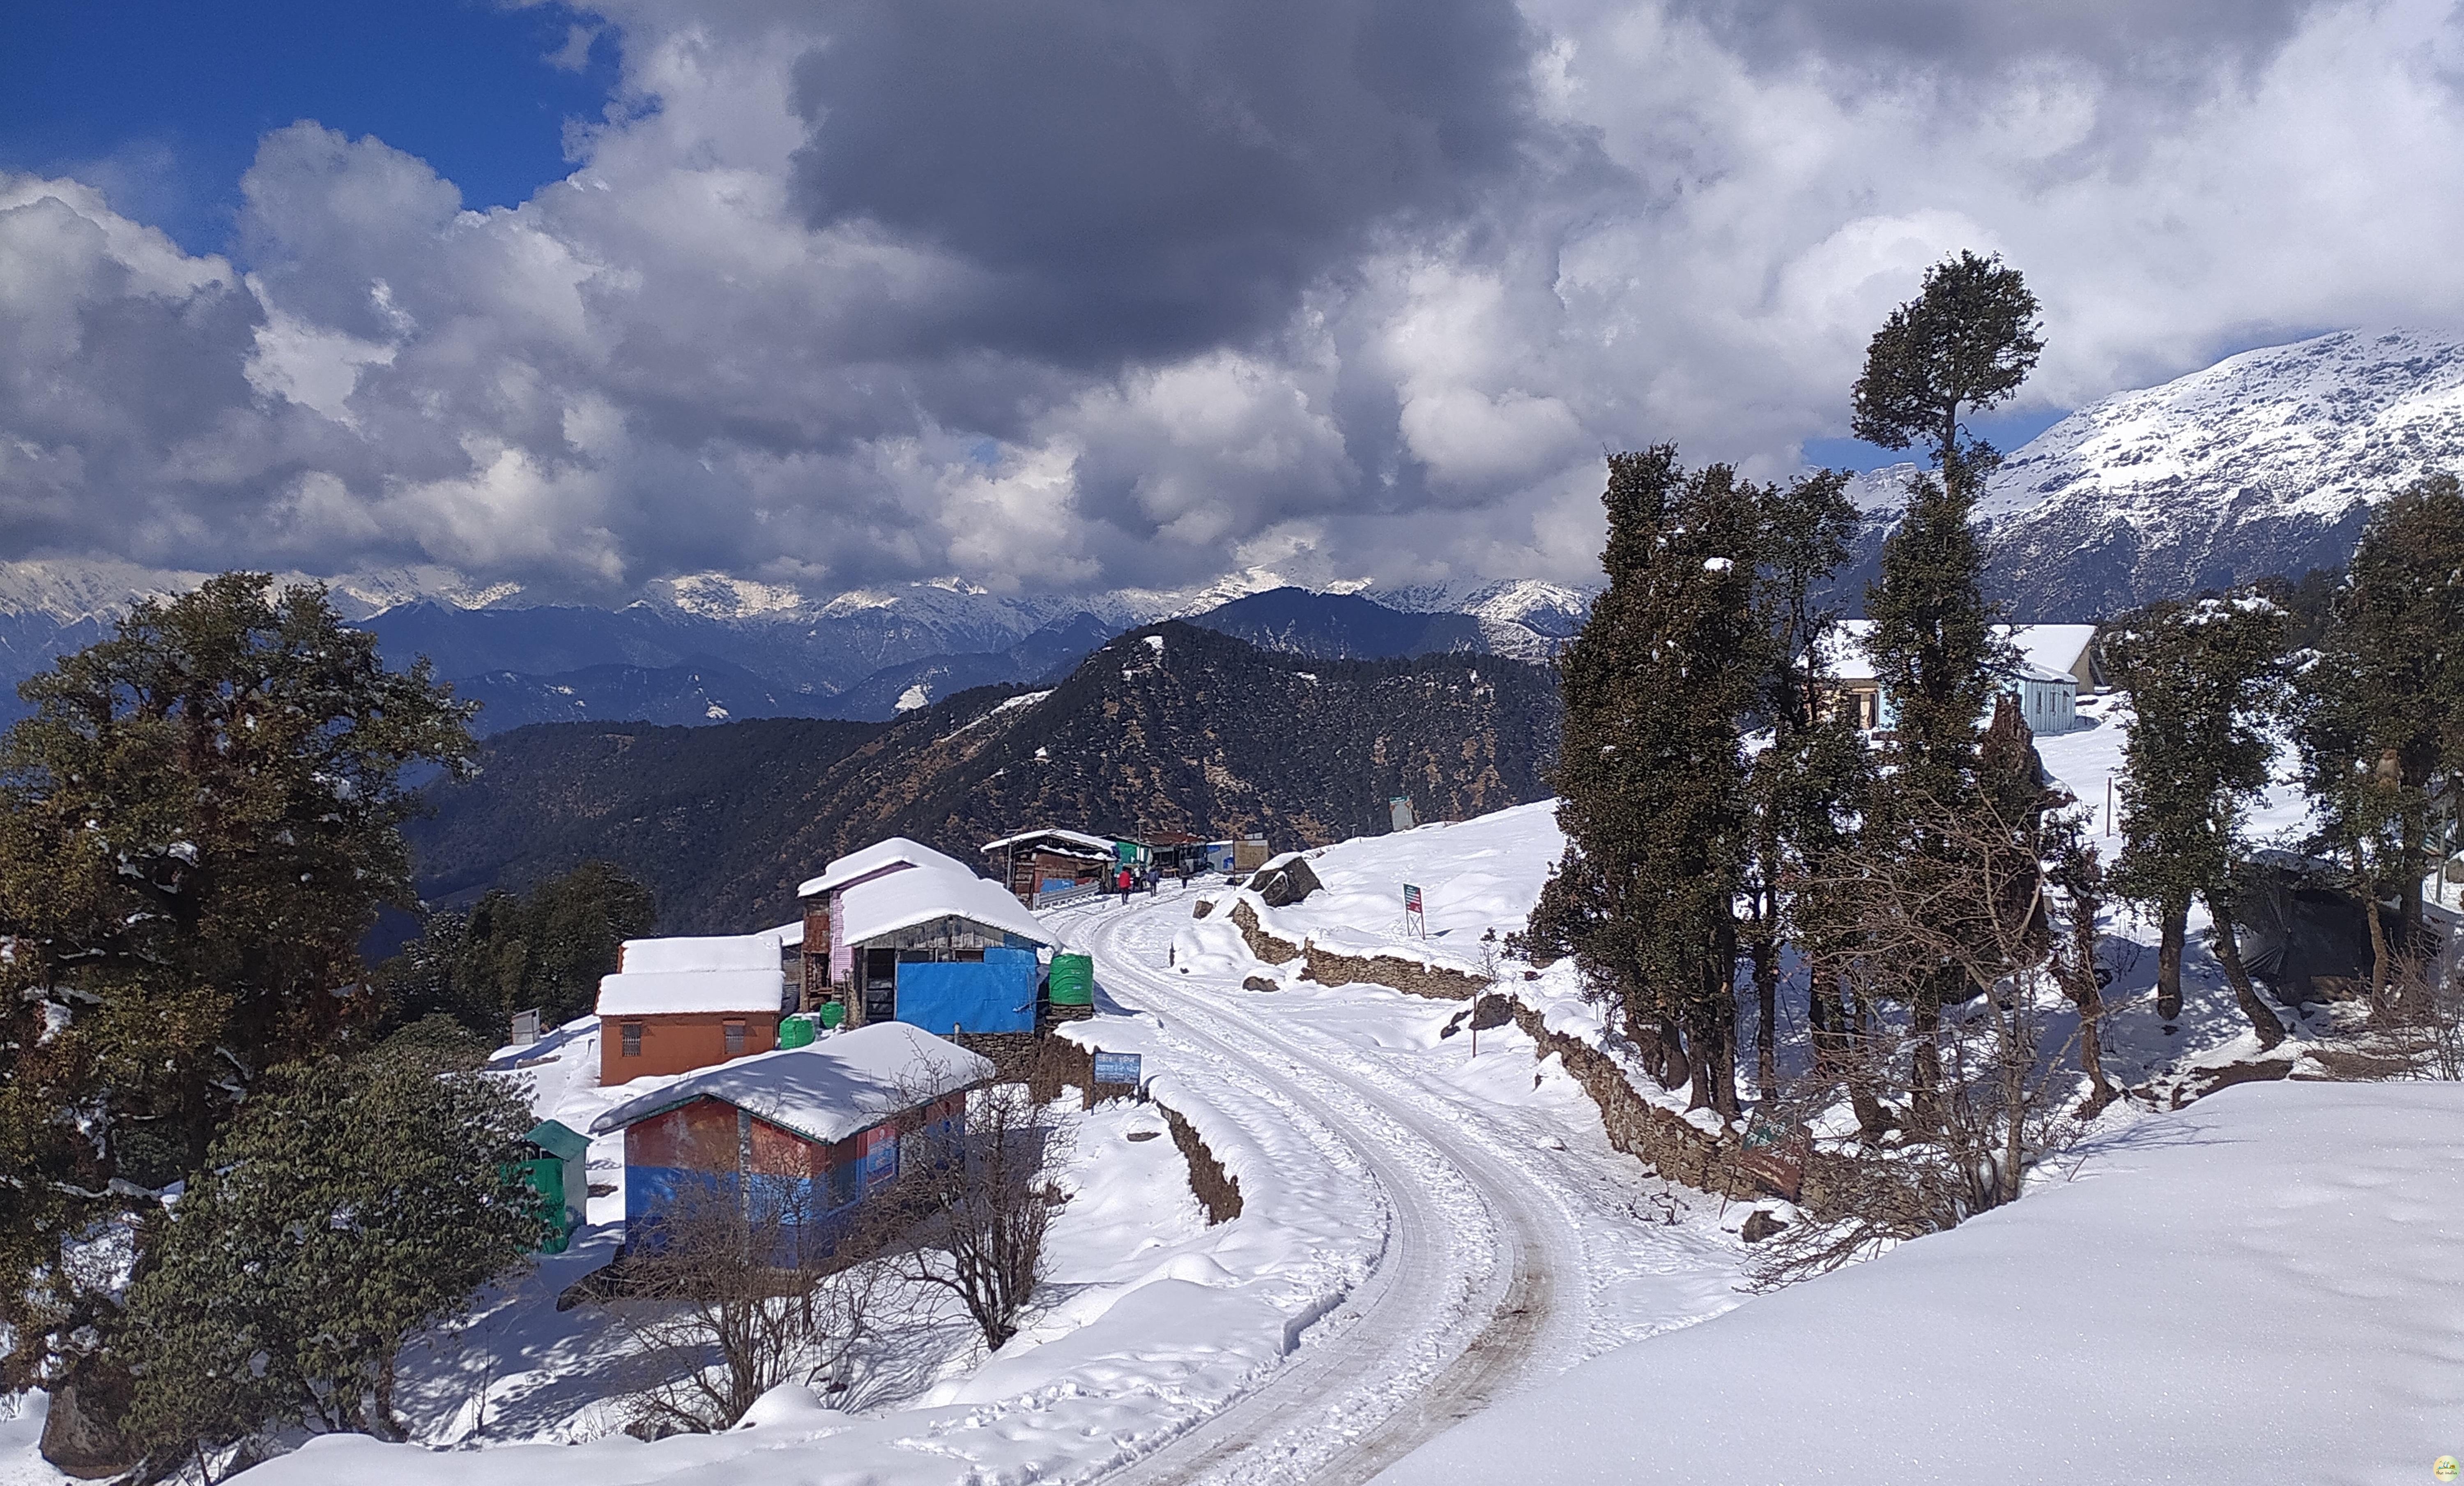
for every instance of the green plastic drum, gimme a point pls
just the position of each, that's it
(831, 1014)
(796, 1032)
(1073, 980)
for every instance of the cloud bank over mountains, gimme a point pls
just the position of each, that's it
(1067, 296)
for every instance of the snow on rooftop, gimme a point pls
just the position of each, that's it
(713, 952)
(693, 993)
(843, 1083)
(903, 899)
(1077, 838)
(896, 852)
(2259, 1288)
(2046, 651)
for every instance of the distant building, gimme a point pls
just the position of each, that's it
(1048, 860)
(804, 1132)
(2056, 661)
(900, 932)
(675, 1005)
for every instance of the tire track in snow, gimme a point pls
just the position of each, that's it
(1479, 1282)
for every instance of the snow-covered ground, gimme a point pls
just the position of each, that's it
(2257, 1288)
(1426, 1230)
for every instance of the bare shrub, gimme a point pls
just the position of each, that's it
(1953, 1108)
(978, 1200)
(2418, 1006)
(737, 1290)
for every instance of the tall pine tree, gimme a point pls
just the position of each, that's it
(2206, 681)
(2382, 730)
(1652, 779)
(197, 825)
(1962, 346)
(1805, 785)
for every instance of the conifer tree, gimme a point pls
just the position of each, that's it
(197, 825)
(1652, 779)
(343, 1210)
(2206, 682)
(1963, 346)
(2383, 723)
(1804, 785)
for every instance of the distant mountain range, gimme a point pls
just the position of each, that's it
(2266, 463)
(712, 648)
(1169, 727)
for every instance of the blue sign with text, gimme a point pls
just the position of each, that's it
(1116, 1068)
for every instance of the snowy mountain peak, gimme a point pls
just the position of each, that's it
(2312, 427)
(2266, 463)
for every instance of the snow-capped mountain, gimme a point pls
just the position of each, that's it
(2266, 463)
(712, 646)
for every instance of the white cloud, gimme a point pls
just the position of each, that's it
(659, 367)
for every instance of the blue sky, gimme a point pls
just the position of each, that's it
(162, 103)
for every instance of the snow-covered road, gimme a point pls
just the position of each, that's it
(1516, 1244)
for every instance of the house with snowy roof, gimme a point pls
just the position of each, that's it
(2055, 663)
(675, 1005)
(1049, 860)
(900, 932)
(800, 1135)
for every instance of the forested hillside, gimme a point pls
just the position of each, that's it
(1168, 728)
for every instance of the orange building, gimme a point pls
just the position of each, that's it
(675, 1005)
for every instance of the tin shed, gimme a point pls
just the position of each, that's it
(811, 1130)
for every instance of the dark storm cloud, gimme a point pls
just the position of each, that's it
(2121, 36)
(1144, 181)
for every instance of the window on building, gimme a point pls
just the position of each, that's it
(735, 1039)
(632, 1040)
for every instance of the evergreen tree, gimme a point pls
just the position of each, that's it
(2383, 729)
(1804, 785)
(1964, 345)
(197, 824)
(343, 1210)
(545, 948)
(1652, 779)
(2206, 682)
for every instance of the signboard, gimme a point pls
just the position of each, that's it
(1774, 1156)
(1400, 808)
(1414, 922)
(526, 1028)
(1117, 1067)
(1411, 898)
(880, 1154)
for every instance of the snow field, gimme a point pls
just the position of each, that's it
(2260, 1287)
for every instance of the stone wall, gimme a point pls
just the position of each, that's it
(1408, 976)
(1217, 1190)
(1674, 1147)
(1329, 968)
(1262, 945)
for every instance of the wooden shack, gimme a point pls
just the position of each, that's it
(1048, 860)
(676, 1004)
(800, 1133)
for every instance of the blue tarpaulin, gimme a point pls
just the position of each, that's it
(996, 995)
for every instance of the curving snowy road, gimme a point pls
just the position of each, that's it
(1516, 1244)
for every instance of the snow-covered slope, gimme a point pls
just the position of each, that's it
(2256, 1288)
(2266, 463)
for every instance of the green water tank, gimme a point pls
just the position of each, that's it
(831, 1014)
(796, 1032)
(1072, 981)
